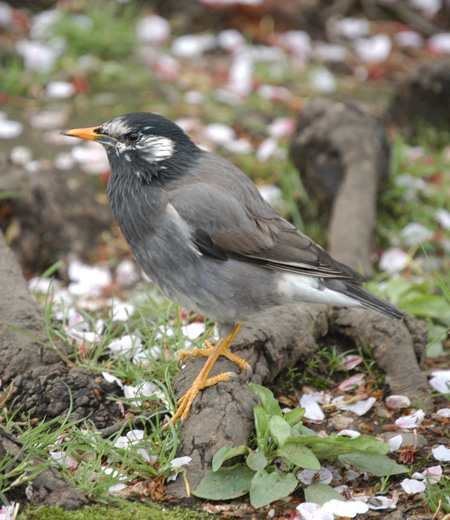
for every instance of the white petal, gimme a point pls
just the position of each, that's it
(395, 442)
(349, 508)
(412, 486)
(441, 453)
(411, 421)
(178, 462)
(313, 410)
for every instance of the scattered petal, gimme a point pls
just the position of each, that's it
(127, 273)
(153, 29)
(311, 511)
(126, 346)
(351, 28)
(63, 459)
(272, 194)
(395, 442)
(381, 502)
(434, 473)
(412, 486)
(179, 462)
(398, 401)
(10, 129)
(414, 233)
(411, 421)
(352, 382)
(193, 330)
(439, 43)
(348, 509)
(59, 90)
(351, 361)
(359, 408)
(121, 311)
(192, 46)
(282, 127)
(240, 76)
(231, 40)
(394, 260)
(312, 409)
(324, 51)
(441, 453)
(351, 434)
(267, 149)
(374, 49)
(408, 38)
(21, 155)
(441, 381)
(443, 217)
(443, 412)
(112, 379)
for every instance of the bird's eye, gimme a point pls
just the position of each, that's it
(133, 137)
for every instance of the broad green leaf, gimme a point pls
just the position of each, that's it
(331, 447)
(268, 401)
(379, 465)
(268, 487)
(321, 493)
(261, 427)
(299, 455)
(225, 483)
(279, 430)
(226, 453)
(427, 306)
(294, 416)
(256, 461)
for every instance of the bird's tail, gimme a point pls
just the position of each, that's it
(363, 297)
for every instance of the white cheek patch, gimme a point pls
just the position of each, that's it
(155, 148)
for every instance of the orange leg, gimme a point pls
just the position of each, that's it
(202, 381)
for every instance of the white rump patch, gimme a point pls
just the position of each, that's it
(299, 288)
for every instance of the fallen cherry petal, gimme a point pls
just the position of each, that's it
(351, 434)
(381, 502)
(411, 421)
(441, 453)
(412, 486)
(112, 379)
(361, 407)
(312, 409)
(352, 361)
(398, 401)
(443, 412)
(395, 442)
(311, 511)
(351, 382)
(349, 509)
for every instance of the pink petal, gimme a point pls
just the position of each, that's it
(352, 382)
(313, 410)
(398, 401)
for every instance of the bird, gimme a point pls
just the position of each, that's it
(201, 231)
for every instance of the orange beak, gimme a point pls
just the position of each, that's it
(91, 134)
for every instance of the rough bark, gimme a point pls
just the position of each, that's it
(423, 97)
(56, 217)
(42, 384)
(48, 487)
(222, 414)
(342, 154)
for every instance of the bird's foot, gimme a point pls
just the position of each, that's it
(185, 403)
(205, 352)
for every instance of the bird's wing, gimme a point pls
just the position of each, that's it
(230, 219)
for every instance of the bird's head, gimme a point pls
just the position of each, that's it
(146, 145)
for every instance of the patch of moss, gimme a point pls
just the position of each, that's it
(123, 510)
